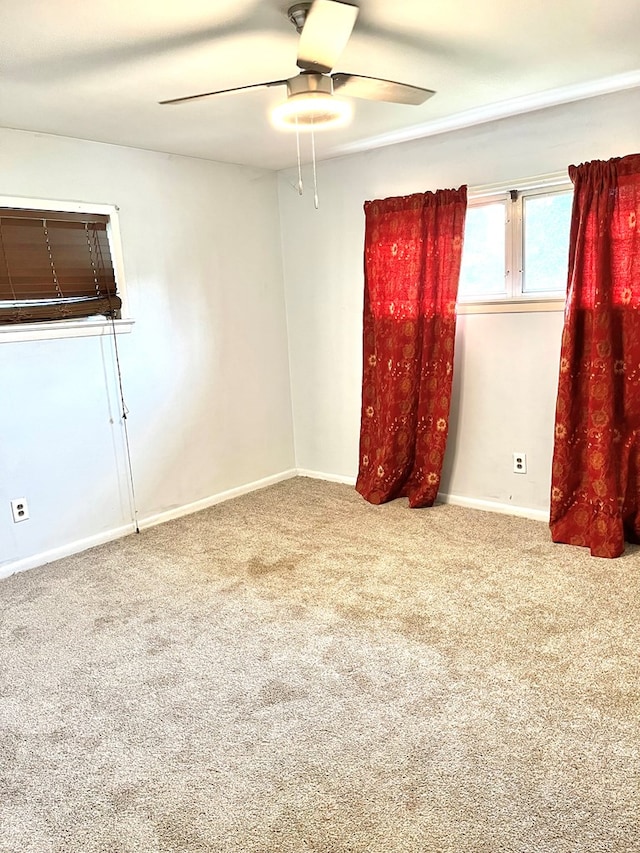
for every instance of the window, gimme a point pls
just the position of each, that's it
(516, 245)
(80, 252)
(55, 265)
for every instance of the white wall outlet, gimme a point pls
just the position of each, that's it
(19, 509)
(519, 463)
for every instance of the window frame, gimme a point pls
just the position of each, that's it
(515, 300)
(82, 327)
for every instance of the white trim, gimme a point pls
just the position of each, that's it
(492, 112)
(545, 183)
(63, 329)
(115, 244)
(79, 545)
(455, 500)
(512, 306)
(66, 205)
(67, 550)
(70, 548)
(205, 503)
(330, 478)
(494, 506)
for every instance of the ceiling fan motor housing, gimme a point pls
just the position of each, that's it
(309, 83)
(310, 104)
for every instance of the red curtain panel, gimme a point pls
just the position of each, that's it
(595, 493)
(413, 247)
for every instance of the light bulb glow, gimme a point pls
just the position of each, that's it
(311, 111)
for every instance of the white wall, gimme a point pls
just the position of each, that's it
(506, 365)
(206, 370)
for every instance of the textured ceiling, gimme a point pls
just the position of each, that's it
(97, 70)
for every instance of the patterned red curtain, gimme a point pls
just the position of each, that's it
(595, 494)
(413, 247)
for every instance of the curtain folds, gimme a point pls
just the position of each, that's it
(413, 248)
(595, 494)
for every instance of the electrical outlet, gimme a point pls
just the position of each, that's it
(19, 509)
(519, 463)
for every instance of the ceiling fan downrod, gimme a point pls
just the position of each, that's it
(297, 14)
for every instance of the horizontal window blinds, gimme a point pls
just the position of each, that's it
(54, 266)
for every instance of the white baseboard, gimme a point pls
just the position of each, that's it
(456, 500)
(331, 478)
(205, 503)
(67, 550)
(494, 506)
(70, 548)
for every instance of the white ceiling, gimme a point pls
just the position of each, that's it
(95, 70)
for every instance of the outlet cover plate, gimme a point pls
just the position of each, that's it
(519, 463)
(19, 509)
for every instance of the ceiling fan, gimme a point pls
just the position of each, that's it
(325, 27)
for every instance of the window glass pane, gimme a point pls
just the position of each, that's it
(482, 273)
(547, 221)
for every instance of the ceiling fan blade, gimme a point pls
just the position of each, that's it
(325, 34)
(222, 92)
(374, 89)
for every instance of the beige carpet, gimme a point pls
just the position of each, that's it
(296, 670)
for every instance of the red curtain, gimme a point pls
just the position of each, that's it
(413, 247)
(595, 494)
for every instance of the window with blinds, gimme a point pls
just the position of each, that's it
(55, 266)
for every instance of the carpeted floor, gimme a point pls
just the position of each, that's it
(297, 670)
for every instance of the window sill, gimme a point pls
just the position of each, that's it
(510, 306)
(64, 329)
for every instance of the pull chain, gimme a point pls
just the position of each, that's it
(300, 186)
(315, 175)
(125, 410)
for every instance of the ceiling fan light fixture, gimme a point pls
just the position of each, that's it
(311, 111)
